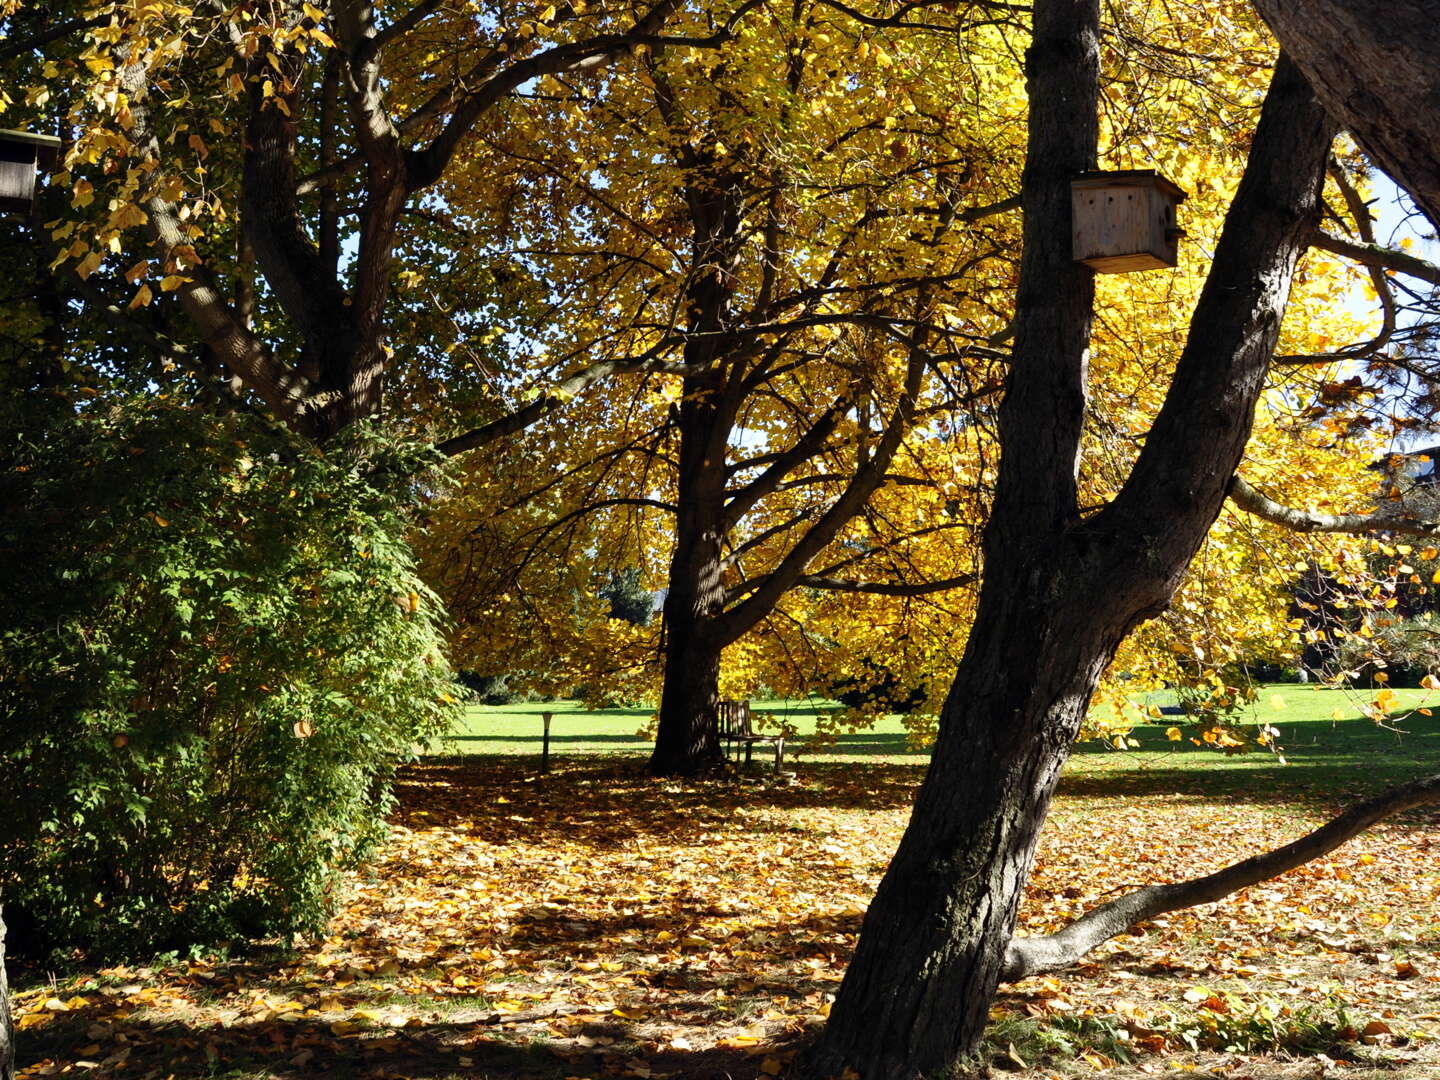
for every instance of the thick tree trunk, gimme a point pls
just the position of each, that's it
(1060, 593)
(7, 1028)
(1372, 64)
(687, 741)
(933, 946)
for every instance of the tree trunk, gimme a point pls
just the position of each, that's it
(1060, 592)
(7, 1029)
(687, 741)
(1372, 64)
(933, 946)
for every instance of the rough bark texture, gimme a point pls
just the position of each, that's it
(7, 1030)
(1059, 592)
(687, 740)
(1372, 64)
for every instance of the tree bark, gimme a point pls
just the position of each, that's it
(687, 742)
(1372, 64)
(7, 1028)
(1059, 592)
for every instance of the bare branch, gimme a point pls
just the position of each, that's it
(890, 588)
(557, 395)
(1262, 506)
(1029, 956)
(54, 33)
(1376, 255)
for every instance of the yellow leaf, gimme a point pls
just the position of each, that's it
(1277, 701)
(142, 297)
(1429, 682)
(171, 282)
(303, 729)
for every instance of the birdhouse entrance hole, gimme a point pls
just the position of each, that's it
(1125, 221)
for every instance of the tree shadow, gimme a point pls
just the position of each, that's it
(128, 1048)
(609, 804)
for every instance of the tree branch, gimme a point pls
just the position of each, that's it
(889, 588)
(54, 33)
(1030, 956)
(557, 395)
(1304, 521)
(805, 448)
(426, 165)
(1376, 255)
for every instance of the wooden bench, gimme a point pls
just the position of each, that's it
(735, 729)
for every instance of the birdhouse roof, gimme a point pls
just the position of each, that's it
(1129, 178)
(47, 147)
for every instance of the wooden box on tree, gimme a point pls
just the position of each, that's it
(23, 156)
(1125, 221)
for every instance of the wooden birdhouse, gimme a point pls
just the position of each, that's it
(23, 157)
(1124, 221)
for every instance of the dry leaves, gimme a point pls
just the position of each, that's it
(603, 924)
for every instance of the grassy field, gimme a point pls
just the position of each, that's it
(1321, 750)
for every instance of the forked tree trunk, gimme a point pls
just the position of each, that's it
(1059, 592)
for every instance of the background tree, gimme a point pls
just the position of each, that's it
(798, 275)
(330, 150)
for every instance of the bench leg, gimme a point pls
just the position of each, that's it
(779, 753)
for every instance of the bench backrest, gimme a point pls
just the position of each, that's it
(734, 717)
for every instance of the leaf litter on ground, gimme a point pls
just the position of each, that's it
(596, 923)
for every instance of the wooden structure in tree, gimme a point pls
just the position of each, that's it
(1125, 221)
(23, 157)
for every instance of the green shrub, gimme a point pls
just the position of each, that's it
(213, 651)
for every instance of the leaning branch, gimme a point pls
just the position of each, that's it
(1262, 506)
(11, 49)
(1376, 255)
(1031, 956)
(552, 399)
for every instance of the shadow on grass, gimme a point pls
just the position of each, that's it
(609, 803)
(309, 1047)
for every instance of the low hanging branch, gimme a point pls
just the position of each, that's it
(1262, 506)
(1031, 956)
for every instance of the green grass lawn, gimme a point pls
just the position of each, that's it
(1351, 753)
